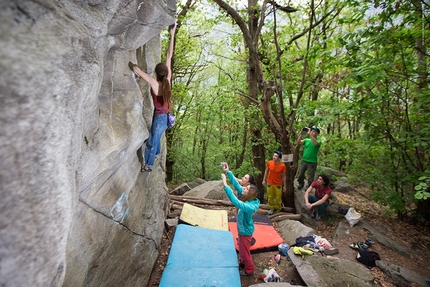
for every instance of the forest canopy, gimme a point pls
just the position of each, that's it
(248, 75)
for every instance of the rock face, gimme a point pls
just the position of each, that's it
(75, 209)
(327, 272)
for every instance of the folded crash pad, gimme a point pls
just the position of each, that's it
(265, 236)
(201, 257)
(206, 218)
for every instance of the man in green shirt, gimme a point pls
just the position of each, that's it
(311, 146)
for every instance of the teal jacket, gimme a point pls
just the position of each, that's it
(235, 183)
(245, 224)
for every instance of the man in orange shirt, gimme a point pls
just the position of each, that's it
(276, 177)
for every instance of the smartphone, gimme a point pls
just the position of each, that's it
(304, 131)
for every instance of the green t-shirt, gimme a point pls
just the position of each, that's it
(310, 150)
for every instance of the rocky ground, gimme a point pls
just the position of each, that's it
(416, 238)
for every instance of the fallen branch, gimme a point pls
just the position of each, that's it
(283, 216)
(198, 200)
(176, 205)
(284, 209)
(206, 201)
(176, 208)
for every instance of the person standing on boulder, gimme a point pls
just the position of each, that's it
(161, 93)
(311, 147)
(318, 203)
(248, 204)
(275, 176)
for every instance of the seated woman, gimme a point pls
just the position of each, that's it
(318, 203)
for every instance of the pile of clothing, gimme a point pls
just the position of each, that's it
(309, 245)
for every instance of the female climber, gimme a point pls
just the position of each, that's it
(161, 93)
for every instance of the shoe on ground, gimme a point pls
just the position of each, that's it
(271, 212)
(363, 245)
(358, 245)
(342, 210)
(243, 273)
(331, 251)
(317, 216)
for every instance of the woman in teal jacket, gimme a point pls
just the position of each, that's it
(238, 184)
(248, 204)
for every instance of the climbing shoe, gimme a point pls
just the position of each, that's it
(358, 245)
(243, 273)
(368, 242)
(331, 251)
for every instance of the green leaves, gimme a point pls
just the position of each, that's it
(422, 188)
(362, 81)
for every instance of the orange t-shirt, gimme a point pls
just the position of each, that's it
(275, 170)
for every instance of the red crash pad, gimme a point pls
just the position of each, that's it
(265, 237)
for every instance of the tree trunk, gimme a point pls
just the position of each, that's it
(423, 210)
(169, 162)
(259, 161)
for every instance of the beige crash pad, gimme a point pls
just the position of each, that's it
(206, 218)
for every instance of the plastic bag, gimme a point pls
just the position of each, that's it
(283, 249)
(272, 276)
(352, 216)
(322, 242)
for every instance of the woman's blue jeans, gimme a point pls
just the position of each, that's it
(159, 125)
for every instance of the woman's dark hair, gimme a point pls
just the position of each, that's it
(251, 179)
(164, 89)
(326, 179)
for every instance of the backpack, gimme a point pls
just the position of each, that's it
(368, 258)
(302, 241)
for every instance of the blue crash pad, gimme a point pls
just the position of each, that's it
(201, 257)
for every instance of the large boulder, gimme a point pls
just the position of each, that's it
(400, 275)
(292, 229)
(330, 172)
(316, 270)
(384, 240)
(183, 188)
(210, 189)
(342, 185)
(75, 209)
